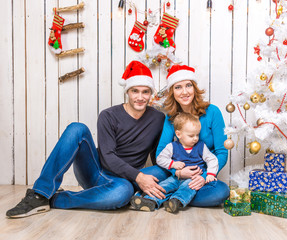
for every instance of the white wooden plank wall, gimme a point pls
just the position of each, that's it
(35, 108)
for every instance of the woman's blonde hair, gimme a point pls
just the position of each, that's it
(172, 107)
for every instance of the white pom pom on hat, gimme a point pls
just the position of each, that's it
(179, 73)
(137, 74)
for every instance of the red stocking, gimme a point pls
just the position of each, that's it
(165, 31)
(55, 34)
(136, 37)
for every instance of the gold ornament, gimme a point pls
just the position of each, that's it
(147, 56)
(263, 77)
(167, 64)
(271, 87)
(246, 106)
(255, 97)
(228, 144)
(259, 121)
(254, 147)
(154, 61)
(230, 107)
(280, 10)
(262, 99)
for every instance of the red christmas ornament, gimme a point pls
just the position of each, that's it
(168, 4)
(269, 31)
(130, 11)
(145, 22)
(230, 7)
(259, 58)
(285, 42)
(159, 60)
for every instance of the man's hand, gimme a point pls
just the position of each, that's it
(178, 165)
(148, 184)
(197, 182)
(188, 172)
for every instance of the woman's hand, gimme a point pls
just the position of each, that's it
(197, 182)
(188, 172)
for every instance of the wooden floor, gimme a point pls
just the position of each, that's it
(192, 223)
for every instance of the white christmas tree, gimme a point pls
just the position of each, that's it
(265, 91)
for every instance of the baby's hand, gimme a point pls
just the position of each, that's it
(210, 178)
(178, 165)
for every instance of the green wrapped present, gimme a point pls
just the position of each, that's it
(241, 194)
(237, 208)
(274, 204)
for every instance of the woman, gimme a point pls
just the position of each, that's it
(185, 96)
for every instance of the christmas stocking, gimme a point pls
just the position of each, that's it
(136, 37)
(55, 34)
(165, 31)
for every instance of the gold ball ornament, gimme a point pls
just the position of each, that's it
(154, 61)
(271, 87)
(147, 56)
(259, 121)
(230, 107)
(255, 97)
(167, 64)
(246, 106)
(254, 147)
(263, 77)
(262, 99)
(228, 144)
(280, 10)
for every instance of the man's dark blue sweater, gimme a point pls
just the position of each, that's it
(124, 142)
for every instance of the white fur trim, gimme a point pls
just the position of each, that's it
(137, 81)
(180, 75)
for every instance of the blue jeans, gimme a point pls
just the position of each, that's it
(175, 188)
(102, 189)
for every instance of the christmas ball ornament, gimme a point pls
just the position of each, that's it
(145, 22)
(246, 106)
(255, 97)
(263, 77)
(228, 144)
(254, 147)
(262, 99)
(271, 87)
(259, 58)
(159, 60)
(167, 64)
(280, 10)
(168, 4)
(285, 42)
(269, 31)
(230, 108)
(230, 7)
(147, 56)
(154, 60)
(130, 11)
(259, 121)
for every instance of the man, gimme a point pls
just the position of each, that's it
(127, 133)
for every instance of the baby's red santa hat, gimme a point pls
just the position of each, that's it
(179, 73)
(137, 74)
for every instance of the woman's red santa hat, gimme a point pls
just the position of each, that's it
(137, 74)
(179, 73)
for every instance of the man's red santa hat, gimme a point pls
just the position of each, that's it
(137, 74)
(179, 73)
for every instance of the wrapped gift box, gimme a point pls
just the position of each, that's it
(269, 203)
(260, 180)
(237, 208)
(241, 194)
(274, 162)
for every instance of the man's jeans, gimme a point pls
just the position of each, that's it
(102, 190)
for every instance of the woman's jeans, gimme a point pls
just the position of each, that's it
(102, 190)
